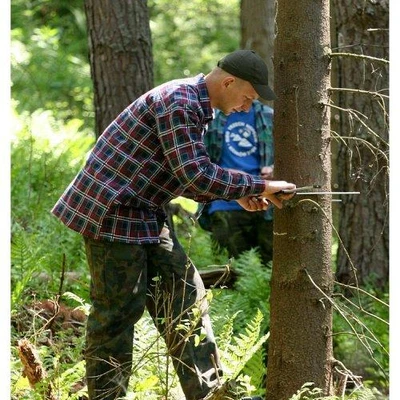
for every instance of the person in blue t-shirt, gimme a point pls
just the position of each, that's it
(241, 141)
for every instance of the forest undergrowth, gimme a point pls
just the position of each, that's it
(50, 286)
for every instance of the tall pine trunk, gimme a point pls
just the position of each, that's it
(362, 28)
(257, 23)
(300, 348)
(120, 55)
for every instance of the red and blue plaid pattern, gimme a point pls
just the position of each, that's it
(150, 154)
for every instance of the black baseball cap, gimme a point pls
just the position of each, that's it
(249, 66)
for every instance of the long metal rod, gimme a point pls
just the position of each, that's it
(331, 193)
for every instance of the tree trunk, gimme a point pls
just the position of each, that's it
(300, 347)
(362, 28)
(257, 22)
(120, 55)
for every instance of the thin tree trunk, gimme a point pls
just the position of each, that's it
(300, 347)
(120, 55)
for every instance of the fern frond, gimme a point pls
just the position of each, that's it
(224, 325)
(21, 256)
(251, 291)
(363, 394)
(243, 347)
(24, 264)
(256, 369)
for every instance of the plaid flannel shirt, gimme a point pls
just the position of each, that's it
(150, 154)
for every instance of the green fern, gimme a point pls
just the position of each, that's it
(246, 345)
(223, 326)
(308, 392)
(152, 369)
(69, 378)
(251, 291)
(255, 368)
(242, 356)
(153, 373)
(365, 394)
(23, 264)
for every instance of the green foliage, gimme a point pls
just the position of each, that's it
(60, 355)
(309, 392)
(195, 240)
(153, 373)
(152, 370)
(250, 294)
(251, 290)
(361, 334)
(49, 49)
(45, 156)
(52, 123)
(189, 37)
(24, 264)
(49, 59)
(243, 354)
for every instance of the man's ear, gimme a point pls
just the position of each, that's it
(227, 81)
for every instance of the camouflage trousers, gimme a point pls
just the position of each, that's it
(127, 278)
(238, 231)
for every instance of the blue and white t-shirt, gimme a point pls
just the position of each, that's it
(239, 151)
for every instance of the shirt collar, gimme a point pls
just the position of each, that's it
(204, 97)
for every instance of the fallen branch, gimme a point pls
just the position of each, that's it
(33, 367)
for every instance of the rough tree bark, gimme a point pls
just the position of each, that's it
(361, 28)
(121, 57)
(300, 347)
(257, 22)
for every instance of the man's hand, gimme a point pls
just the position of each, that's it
(253, 203)
(267, 172)
(273, 192)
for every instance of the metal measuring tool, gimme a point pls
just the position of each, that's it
(312, 190)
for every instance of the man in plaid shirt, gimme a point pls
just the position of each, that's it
(150, 154)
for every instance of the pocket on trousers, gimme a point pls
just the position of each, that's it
(96, 257)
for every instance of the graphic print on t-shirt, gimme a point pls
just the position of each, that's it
(241, 139)
(240, 144)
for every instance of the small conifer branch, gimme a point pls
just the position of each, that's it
(362, 56)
